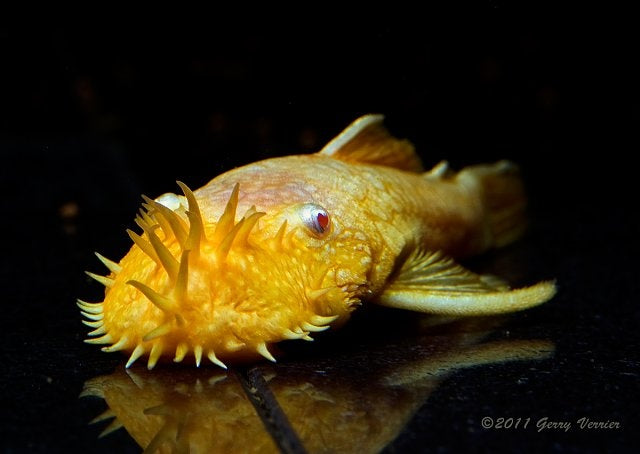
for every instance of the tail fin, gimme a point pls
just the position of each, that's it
(503, 198)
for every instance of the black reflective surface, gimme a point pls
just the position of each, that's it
(113, 116)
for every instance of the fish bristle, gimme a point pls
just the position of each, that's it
(182, 281)
(278, 239)
(172, 221)
(319, 280)
(264, 351)
(228, 217)
(158, 410)
(91, 391)
(135, 354)
(154, 211)
(313, 328)
(160, 301)
(154, 355)
(120, 345)
(115, 425)
(99, 330)
(140, 223)
(249, 224)
(223, 248)
(323, 320)
(107, 282)
(181, 351)
(288, 334)
(169, 263)
(92, 308)
(148, 220)
(314, 294)
(196, 233)
(195, 219)
(233, 345)
(106, 339)
(158, 331)
(197, 353)
(149, 201)
(214, 359)
(144, 245)
(107, 414)
(95, 317)
(93, 324)
(110, 264)
(148, 206)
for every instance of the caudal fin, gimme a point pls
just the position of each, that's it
(503, 198)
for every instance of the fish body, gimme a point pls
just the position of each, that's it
(285, 247)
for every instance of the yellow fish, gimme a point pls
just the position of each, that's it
(317, 236)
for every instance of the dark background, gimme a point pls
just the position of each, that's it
(93, 115)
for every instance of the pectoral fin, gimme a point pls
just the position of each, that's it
(433, 283)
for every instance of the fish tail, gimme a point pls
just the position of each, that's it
(503, 199)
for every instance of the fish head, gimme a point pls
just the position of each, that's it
(229, 288)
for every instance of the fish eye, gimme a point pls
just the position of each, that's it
(315, 218)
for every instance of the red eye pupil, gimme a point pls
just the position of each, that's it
(323, 221)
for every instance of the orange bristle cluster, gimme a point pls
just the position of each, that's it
(175, 246)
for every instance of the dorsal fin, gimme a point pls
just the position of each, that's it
(367, 140)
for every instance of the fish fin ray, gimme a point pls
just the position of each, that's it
(502, 194)
(440, 171)
(366, 140)
(434, 283)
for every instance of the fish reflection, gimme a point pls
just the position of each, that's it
(358, 402)
(181, 411)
